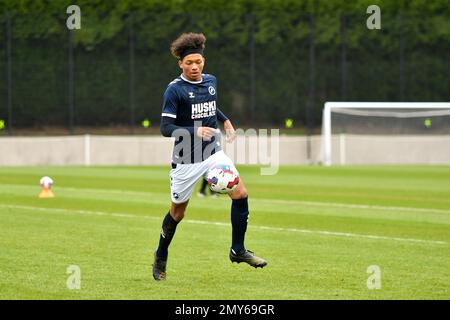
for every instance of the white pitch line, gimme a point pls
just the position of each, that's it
(328, 233)
(296, 202)
(319, 232)
(360, 206)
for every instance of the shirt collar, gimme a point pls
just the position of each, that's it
(194, 82)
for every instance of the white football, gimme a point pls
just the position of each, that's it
(46, 182)
(222, 179)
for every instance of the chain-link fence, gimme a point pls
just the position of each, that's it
(114, 70)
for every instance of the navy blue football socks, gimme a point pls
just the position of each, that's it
(239, 221)
(168, 230)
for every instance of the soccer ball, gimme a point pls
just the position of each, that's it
(46, 182)
(222, 179)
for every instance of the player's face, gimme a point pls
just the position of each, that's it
(192, 66)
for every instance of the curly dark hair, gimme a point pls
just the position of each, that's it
(187, 41)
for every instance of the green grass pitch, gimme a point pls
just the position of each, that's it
(319, 228)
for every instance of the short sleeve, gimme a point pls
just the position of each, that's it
(170, 103)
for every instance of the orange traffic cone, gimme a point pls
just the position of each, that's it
(46, 193)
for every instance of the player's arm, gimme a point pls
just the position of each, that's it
(227, 125)
(221, 116)
(170, 112)
(168, 126)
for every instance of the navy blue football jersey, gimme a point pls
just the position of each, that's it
(192, 104)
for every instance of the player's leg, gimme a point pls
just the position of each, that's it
(169, 226)
(182, 183)
(239, 222)
(240, 192)
(239, 217)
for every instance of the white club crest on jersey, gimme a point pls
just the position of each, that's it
(212, 90)
(191, 95)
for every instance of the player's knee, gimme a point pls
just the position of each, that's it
(243, 194)
(177, 211)
(239, 193)
(177, 214)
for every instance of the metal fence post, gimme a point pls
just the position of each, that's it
(71, 83)
(312, 87)
(9, 72)
(343, 57)
(252, 68)
(402, 60)
(131, 81)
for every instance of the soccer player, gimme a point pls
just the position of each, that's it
(191, 116)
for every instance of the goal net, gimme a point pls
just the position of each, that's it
(385, 132)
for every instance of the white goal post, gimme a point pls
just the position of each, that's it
(400, 110)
